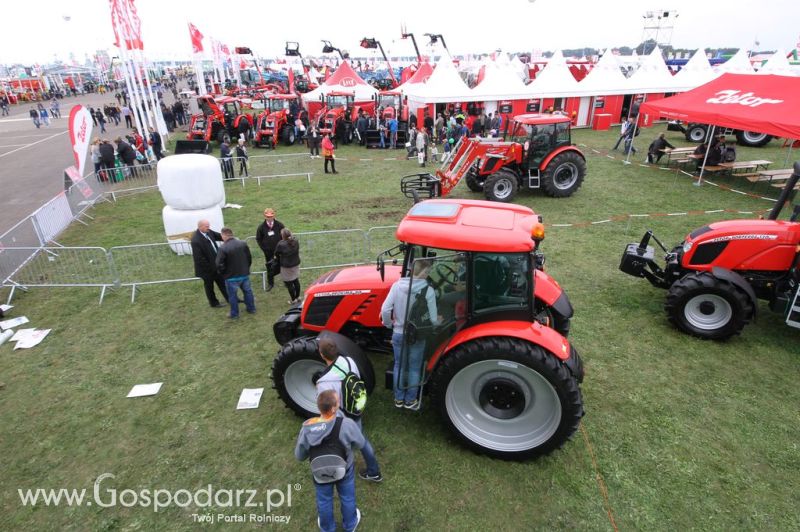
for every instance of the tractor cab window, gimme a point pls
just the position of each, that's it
(435, 308)
(500, 281)
(540, 143)
(231, 109)
(388, 101)
(520, 133)
(562, 134)
(339, 101)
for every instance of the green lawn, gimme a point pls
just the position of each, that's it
(685, 434)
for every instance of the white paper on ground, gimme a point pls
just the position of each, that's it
(6, 308)
(21, 334)
(143, 390)
(8, 324)
(231, 206)
(250, 398)
(32, 339)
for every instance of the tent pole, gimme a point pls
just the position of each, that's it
(708, 149)
(788, 153)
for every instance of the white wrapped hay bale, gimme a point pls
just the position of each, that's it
(179, 225)
(191, 181)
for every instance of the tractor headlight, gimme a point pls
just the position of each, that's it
(687, 246)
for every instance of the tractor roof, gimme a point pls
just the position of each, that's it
(538, 119)
(469, 225)
(342, 93)
(282, 96)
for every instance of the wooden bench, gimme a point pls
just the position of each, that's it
(715, 168)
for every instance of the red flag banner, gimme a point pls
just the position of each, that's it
(197, 38)
(126, 24)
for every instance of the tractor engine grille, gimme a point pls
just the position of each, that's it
(320, 309)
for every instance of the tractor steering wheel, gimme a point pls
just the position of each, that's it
(446, 273)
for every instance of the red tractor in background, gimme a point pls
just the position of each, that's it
(274, 124)
(715, 277)
(388, 105)
(218, 118)
(500, 370)
(538, 154)
(338, 115)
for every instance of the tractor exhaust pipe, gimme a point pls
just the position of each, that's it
(787, 190)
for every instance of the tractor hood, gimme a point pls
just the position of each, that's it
(766, 245)
(355, 278)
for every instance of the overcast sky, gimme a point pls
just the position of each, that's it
(38, 32)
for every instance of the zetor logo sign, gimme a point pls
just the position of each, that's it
(734, 96)
(348, 82)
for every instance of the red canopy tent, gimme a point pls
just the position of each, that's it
(751, 102)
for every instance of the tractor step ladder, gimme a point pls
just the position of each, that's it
(793, 315)
(534, 179)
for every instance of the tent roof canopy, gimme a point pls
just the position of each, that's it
(344, 79)
(763, 103)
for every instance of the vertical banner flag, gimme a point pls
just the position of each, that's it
(80, 131)
(197, 38)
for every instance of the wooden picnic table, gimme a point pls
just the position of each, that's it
(774, 175)
(746, 165)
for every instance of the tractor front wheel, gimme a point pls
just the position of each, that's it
(287, 135)
(474, 181)
(501, 186)
(564, 174)
(708, 307)
(507, 398)
(298, 364)
(696, 133)
(752, 138)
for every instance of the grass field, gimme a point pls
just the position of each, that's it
(679, 433)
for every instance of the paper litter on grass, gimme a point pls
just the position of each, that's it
(6, 308)
(232, 206)
(143, 390)
(13, 322)
(250, 398)
(21, 334)
(32, 338)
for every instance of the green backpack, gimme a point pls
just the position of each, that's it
(353, 392)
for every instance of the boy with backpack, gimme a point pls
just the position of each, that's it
(342, 376)
(328, 441)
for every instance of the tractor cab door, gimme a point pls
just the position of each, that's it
(540, 143)
(501, 286)
(435, 308)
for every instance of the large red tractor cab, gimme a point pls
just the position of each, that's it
(715, 277)
(494, 357)
(274, 124)
(537, 153)
(219, 117)
(387, 105)
(338, 116)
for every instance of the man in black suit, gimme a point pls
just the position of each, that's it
(155, 142)
(268, 235)
(204, 254)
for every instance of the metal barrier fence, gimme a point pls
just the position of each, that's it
(138, 265)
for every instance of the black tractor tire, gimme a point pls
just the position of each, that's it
(696, 133)
(243, 131)
(221, 134)
(507, 398)
(287, 135)
(474, 181)
(564, 174)
(299, 360)
(501, 186)
(708, 307)
(752, 138)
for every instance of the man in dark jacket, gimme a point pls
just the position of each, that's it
(656, 149)
(361, 127)
(204, 254)
(155, 142)
(268, 235)
(106, 160)
(233, 262)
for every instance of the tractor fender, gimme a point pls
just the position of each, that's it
(559, 151)
(738, 281)
(533, 332)
(549, 291)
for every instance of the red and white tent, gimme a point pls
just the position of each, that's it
(762, 103)
(345, 79)
(420, 76)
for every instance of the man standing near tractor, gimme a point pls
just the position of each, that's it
(268, 235)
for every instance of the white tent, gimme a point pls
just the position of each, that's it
(444, 85)
(500, 82)
(779, 64)
(738, 64)
(605, 79)
(345, 79)
(555, 80)
(697, 71)
(652, 75)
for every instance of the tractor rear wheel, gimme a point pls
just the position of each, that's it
(507, 398)
(287, 135)
(298, 363)
(564, 174)
(708, 307)
(244, 129)
(501, 186)
(474, 181)
(752, 138)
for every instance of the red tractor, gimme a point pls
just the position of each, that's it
(274, 124)
(498, 366)
(219, 117)
(538, 154)
(715, 277)
(388, 105)
(339, 113)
